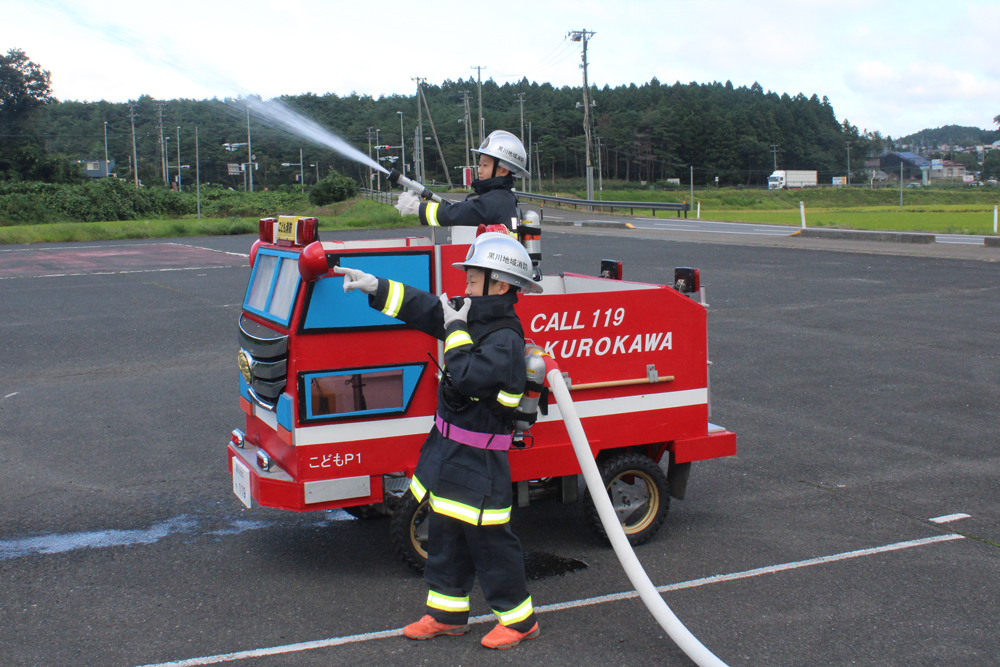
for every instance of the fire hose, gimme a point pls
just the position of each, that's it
(416, 188)
(686, 641)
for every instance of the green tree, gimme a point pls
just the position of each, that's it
(24, 88)
(333, 188)
(991, 165)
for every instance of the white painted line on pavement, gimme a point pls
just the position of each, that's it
(115, 273)
(369, 636)
(198, 247)
(949, 517)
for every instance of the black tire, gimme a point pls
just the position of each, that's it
(408, 531)
(368, 512)
(639, 493)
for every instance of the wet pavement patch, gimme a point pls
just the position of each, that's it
(538, 565)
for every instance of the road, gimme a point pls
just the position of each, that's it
(862, 381)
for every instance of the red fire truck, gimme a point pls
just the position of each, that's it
(340, 397)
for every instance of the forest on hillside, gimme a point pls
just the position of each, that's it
(648, 132)
(950, 135)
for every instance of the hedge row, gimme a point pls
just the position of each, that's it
(31, 203)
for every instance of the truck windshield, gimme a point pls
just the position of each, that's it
(273, 286)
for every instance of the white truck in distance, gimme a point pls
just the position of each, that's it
(791, 180)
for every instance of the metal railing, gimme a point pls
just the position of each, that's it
(592, 204)
(378, 195)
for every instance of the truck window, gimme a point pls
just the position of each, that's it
(329, 309)
(273, 286)
(360, 391)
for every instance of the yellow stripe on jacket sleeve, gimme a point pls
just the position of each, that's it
(394, 300)
(457, 338)
(508, 400)
(430, 212)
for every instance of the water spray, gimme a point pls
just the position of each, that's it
(275, 112)
(651, 597)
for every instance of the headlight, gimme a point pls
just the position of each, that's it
(245, 369)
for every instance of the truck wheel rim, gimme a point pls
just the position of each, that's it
(635, 497)
(418, 529)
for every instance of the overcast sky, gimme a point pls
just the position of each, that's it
(896, 67)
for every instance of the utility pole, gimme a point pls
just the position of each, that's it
(600, 168)
(249, 152)
(447, 176)
(584, 36)
(529, 157)
(520, 100)
(418, 145)
(162, 147)
(482, 126)
(106, 169)
(402, 148)
(135, 159)
(470, 135)
(848, 162)
(774, 150)
(369, 186)
(465, 131)
(179, 159)
(197, 171)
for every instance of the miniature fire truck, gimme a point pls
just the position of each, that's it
(339, 397)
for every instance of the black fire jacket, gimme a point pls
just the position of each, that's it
(465, 482)
(495, 205)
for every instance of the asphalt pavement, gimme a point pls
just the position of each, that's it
(861, 379)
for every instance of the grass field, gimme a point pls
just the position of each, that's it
(953, 210)
(969, 219)
(353, 214)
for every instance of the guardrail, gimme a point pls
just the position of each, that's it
(592, 204)
(378, 195)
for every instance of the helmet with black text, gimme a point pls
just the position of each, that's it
(503, 259)
(508, 149)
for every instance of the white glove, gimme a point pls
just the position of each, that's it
(452, 315)
(409, 203)
(357, 280)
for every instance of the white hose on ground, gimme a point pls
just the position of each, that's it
(633, 568)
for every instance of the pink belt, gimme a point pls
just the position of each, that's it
(472, 438)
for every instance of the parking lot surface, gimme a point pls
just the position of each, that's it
(863, 387)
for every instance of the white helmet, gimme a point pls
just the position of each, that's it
(503, 258)
(506, 147)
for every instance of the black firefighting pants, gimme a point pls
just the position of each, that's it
(458, 551)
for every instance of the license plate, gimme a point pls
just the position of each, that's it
(241, 481)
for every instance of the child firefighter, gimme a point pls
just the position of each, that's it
(463, 467)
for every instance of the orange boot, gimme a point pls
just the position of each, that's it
(427, 627)
(503, 637)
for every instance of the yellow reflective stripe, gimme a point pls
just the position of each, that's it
(431, 214)
(455, 510)
(417, 489)
(494, 517)
(394, 300)
(515, 615)
(509, 400)
(447, 602)
(457, 339)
